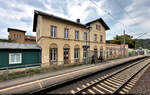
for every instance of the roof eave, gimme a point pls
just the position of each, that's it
(35, 21)
(101, 21)
(36, 13)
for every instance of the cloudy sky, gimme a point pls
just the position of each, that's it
(131, 15)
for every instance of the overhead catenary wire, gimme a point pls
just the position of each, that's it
(113, 18)
(133, 20)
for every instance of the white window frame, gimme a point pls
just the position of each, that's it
(53, 31)
(66, 33)
(85, 36)
(10, 54)
(84, 53)
(76, 53)
(95, 37)
(76, 35)
(53, 54)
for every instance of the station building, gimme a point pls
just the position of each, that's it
(64, 41)
(17, 35)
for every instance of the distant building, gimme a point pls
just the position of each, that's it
(116, 50)
(19, 36)
(15, 54)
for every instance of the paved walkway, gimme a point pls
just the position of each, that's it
(12, 82)
(17, 81)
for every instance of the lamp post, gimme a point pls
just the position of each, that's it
(124, 41)
(89, 29)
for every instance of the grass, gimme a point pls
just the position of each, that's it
(36, 70)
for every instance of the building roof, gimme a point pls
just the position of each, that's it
(101, 21)
(36, 13)
(7, 45)
(16, 30)
(31, 38)
(116, 45)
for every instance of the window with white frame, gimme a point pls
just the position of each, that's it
(15, 58)
(53, 52)
(53, 31)
(76, 53)
(66, 33)
(14, 36)
(95, 37)
(84, 53)
(98, 27)
(85, 36)
(76, 35)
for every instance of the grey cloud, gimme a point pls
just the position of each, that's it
(92, 14)
(59, 6)
(34, 3)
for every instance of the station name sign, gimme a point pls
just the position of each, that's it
(86, 46)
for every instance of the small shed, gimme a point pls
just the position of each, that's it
(15, 54)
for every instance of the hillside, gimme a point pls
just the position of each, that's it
(145, 43)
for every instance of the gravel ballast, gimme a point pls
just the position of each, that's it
(143, 84)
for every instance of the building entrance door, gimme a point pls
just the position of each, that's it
(66, 56)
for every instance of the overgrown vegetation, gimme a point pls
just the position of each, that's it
(38, 70)
(144, 43)
(119, 40)
(34, 71)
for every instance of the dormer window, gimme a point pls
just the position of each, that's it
(98, 27)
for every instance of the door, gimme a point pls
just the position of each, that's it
(66, 56)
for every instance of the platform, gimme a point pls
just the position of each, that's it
(37, 82)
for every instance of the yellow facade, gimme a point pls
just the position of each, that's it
(44, 39)
(16, 35)
(19, 36)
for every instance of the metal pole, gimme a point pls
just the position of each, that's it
(124, 41)
(86, 50)
(89, 43)
(25, 71)
(40, 68)
(7, 73)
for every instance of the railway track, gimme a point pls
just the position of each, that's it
(108, 81)
(114, 82)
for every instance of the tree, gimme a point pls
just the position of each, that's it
(119, 40)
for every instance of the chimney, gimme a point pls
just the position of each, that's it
(78, 20)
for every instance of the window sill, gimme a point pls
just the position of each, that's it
(16, 63)
(53, 37)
